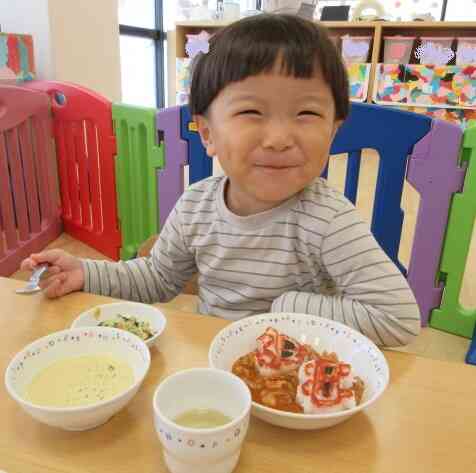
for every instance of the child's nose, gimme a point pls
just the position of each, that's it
(278, 135)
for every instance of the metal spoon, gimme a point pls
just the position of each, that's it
(32, 285)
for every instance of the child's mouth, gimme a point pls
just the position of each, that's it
(275, 172)
(275, 168)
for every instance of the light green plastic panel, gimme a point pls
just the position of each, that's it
(138, 159)
(451, 316)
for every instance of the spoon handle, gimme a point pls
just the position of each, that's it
(38, 271)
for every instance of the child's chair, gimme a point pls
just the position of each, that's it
(29, 202)
(410, 145)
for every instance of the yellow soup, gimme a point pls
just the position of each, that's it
(80, 381)
(202, 419)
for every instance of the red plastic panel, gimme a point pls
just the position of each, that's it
(85, 149)
(29, 204)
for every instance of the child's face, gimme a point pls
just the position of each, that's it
(271, 134)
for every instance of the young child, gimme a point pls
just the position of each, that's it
(268, 99)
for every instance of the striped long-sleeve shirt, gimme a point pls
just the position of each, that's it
(281, 260)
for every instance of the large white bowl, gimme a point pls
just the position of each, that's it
(69, 343)
(368, 362)
(142, 312)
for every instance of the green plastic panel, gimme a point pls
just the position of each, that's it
(451, 316)
(138, 159)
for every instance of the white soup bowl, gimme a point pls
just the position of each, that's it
(77, 342)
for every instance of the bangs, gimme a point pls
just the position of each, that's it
(259, 44)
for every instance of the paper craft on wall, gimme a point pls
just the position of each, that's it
(435, 51)
(359, 76)
(197, 43)
(355, 48)
(466, 51)
(426, 85)
(16, 57)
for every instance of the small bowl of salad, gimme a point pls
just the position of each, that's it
(143, 320)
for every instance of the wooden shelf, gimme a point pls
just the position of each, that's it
(401, 24)
(376, 29)
(201, 24)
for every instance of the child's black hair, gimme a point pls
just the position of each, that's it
(252, 46)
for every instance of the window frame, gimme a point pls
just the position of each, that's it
(443, 10)
(158, 35)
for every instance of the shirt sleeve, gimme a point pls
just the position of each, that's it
(158, 278)
(371, 295)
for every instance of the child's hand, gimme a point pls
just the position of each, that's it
(65, 272)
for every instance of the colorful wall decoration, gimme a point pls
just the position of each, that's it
(182, 79)
(17, 62)
(359, 75)
(460, 116)
(447, 92)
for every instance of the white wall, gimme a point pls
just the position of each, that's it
(85, 44)
(462, 10)
(74, 40)
(30, 17)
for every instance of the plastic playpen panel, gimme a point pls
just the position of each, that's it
(86, 149)
(139, 158)
(200, 164)
(451, 316)
(29, 203)
(423, 150)
(170, 178)
(434, 172)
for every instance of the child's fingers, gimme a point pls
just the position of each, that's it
(56, 287)
(48, 256)
(48, 280)
(38, 258)
(52, 271)
(27, 264)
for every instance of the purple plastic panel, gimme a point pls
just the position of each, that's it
(170, 179)
(433, 171)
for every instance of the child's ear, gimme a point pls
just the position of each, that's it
(204, 129)
(337, 125)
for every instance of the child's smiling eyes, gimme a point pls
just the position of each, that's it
(257, 112)
(249, 112)
(309, 112)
